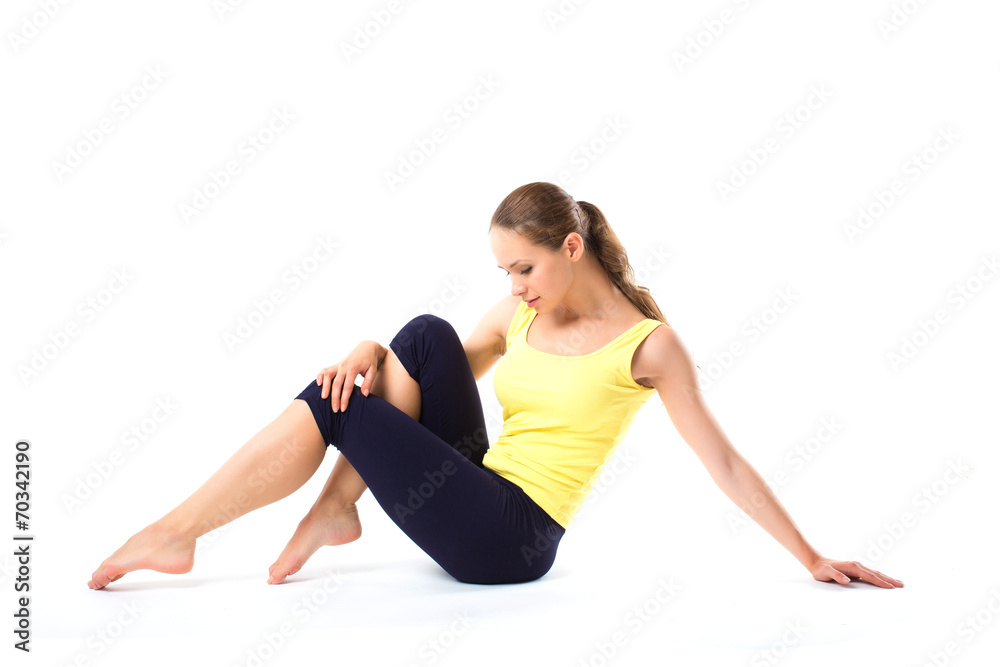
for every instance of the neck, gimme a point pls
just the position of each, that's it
(592, 295)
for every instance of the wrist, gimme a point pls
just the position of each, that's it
(808, 556)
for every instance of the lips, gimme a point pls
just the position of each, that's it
(532, 302)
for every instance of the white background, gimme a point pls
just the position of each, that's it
(661, 136)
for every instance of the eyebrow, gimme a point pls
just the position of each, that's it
(513, 264)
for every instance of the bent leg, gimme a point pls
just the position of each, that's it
(431, 381)
(430, 350)
(426, 375)
(475, 524)
(395, 385)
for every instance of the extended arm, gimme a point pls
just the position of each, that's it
(668, 366)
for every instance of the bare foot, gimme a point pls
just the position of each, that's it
(314, 531)
(153, 548)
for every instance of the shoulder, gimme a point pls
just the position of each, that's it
(658, 353)
(501, 316)
(508, 306)
(488, 341)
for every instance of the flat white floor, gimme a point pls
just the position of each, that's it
(738, 597)
(688, 590)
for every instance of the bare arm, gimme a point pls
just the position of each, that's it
(488, 342)
(669, 368)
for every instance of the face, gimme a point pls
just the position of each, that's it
(540, 275)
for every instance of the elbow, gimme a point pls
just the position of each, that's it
(729, 469)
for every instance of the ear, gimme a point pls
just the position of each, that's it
(573, 244)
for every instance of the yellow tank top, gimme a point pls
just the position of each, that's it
(563, 416)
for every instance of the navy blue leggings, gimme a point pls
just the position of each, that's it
(429, 476)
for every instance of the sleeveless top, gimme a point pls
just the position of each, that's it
(563, 416)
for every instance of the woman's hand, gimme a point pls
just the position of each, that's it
(841, 571)
(338, 380)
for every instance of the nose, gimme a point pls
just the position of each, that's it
(516, 289)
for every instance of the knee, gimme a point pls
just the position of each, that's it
(428, 322)
(311, 393)
(422, 325)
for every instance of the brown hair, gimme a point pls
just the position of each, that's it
(545, 214)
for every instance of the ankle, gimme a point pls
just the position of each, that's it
(174, 529)
(333, 507)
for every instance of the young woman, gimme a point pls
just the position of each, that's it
(580, 349)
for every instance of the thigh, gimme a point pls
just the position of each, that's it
(432, 353)
(394, 384)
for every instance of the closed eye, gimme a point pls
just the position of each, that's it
(527, 270)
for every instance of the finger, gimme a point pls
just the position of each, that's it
(329, 374)
(369, 380)
(885, 577)
(873, 579)
(335, 389)
(877, 580)
(855, 569)
(346, 391)
(839, 576)
(871, 576)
